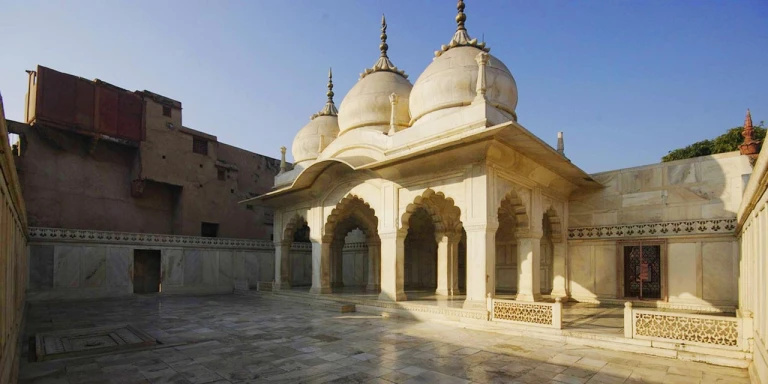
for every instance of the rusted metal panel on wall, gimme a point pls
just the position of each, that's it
(130, 116)
(106, 111)
(85, 102)
(73, 103)
(55, 97)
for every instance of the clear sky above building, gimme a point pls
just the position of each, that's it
(627, 81)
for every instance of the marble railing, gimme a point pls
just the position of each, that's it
(685, 328)
(107, 237)
(520, 312)
(664, 229)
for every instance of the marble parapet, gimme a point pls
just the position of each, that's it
(662, 229)
(37, 234)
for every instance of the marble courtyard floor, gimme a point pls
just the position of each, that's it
(246, 339)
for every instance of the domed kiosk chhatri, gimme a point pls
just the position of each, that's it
(442, 191)
(431, 221)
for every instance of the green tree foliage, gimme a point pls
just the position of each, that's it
(727, 142)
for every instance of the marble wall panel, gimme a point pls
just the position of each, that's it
(173, 266)
(119, 267)
(353, 268)
(225, 268)
(41, 267)
(251, 267)
(193, 267)
(93, 266)
(718, 269)
(302, 267)
(66, 269)
(582, 276)
(605, 270)
(682, 174)
(640, 180)
(238, 265)
(641, 199)
(682, 275)
(267, 266)
(210, 267)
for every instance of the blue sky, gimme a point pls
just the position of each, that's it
(626, 81)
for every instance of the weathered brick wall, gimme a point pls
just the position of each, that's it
(13, 259)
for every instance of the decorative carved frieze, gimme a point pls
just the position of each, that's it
(107, 237)
(670, 228)
(721, 331)
(531, 313)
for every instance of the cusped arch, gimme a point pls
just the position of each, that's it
(446, 216)
(555, 224)
(352, 206)
(296, 222)
(513, 206)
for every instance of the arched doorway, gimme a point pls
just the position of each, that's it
(420, 253)
(512, 217)
(432, 246)
(354, 254)
(296, 255)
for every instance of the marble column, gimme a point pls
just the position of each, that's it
(321, 268)
(374, 259)
(481, 264)
(283, 264)
(560, 279)
(392, 266)
(447, 264)
(453, 264)
(337, 265)
(443, 263)
(528, 266)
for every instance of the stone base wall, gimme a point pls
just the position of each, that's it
(752, 228)
(75, 264)
(13, 259)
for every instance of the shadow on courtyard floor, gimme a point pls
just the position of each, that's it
(242, 339)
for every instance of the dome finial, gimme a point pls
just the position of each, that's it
(383, 47)
(461, 37)
(460, 17)
(383, 64)
(330, 85)
(330, 108)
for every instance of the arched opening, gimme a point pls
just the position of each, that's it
(547, 254)
(421, 253)
(296, 260)
(512, 216)
(354, 256)
(434, 259)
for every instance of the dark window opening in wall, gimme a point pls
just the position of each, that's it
(209, 229)
(166, 111)
(222, 174)
(200, 146)
(642, 271)
(301, 235)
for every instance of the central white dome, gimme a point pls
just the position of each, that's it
(450, 81)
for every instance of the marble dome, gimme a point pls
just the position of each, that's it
(368, 103)
(450, 80)
(321, 130)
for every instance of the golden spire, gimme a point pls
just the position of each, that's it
(383, 64)
(461, 37)
(330, 108)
